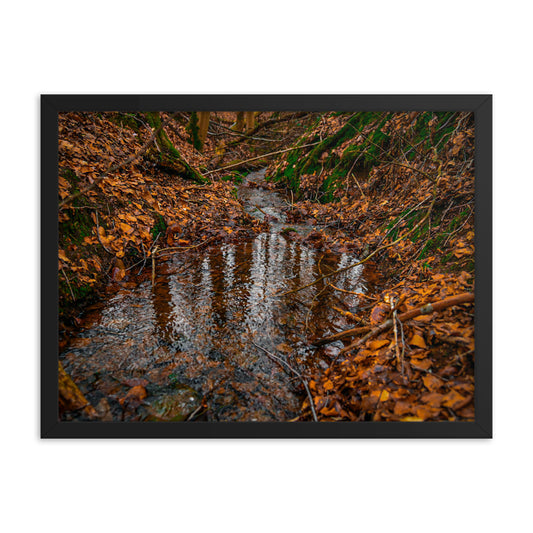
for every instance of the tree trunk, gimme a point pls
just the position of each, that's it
(168, 156)
(239, 124)
(250, 120)
(203, 125)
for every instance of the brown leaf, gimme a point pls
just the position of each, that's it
(402, 408)
(434, 399)
(135, 394)
(431, 382)
(379, 314)
(284, 348)
(454, 400)
(421, 364)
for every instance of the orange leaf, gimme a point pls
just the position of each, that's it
(126, 228)
(375, 345)
(63, 257)
(425, 412)
(383, 394)
(417, 340)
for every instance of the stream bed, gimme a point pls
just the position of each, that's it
(195, 346)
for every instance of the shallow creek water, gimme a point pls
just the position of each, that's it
(194, 340)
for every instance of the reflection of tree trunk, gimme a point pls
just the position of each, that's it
(162, 300)
(217, 268)
(243, 262)
(321, 303)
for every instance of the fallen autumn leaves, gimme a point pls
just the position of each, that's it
(435, 379)
(421, 370)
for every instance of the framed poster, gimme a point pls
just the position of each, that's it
(281, 266)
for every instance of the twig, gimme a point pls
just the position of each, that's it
(304, 382)
(351, 292)
(177, 248)
(403, 218)
(395, 325)
(403, 342)
(194, 413)
(153, 266)
(341, 335)
(238, 134)
(313, 301)
(425, 174)
(259, 209)
(260, 157)
(144, 256)
(427, 309)
(139, 262)
(357, 183)
(268, 122)
(68, 283)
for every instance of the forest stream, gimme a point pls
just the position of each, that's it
(212, 340)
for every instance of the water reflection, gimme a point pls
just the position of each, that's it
(199, 324)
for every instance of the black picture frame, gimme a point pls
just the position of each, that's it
(480, 105)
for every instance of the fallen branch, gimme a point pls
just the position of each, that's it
(239, 134)
(259, 209)
(269, 122)
(427, 309)
(304, 382)
(341, 335)
(260, 157)
(178, 248)
(351, 292)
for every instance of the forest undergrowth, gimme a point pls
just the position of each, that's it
(394, 189)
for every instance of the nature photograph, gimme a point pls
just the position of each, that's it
(266, 266)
